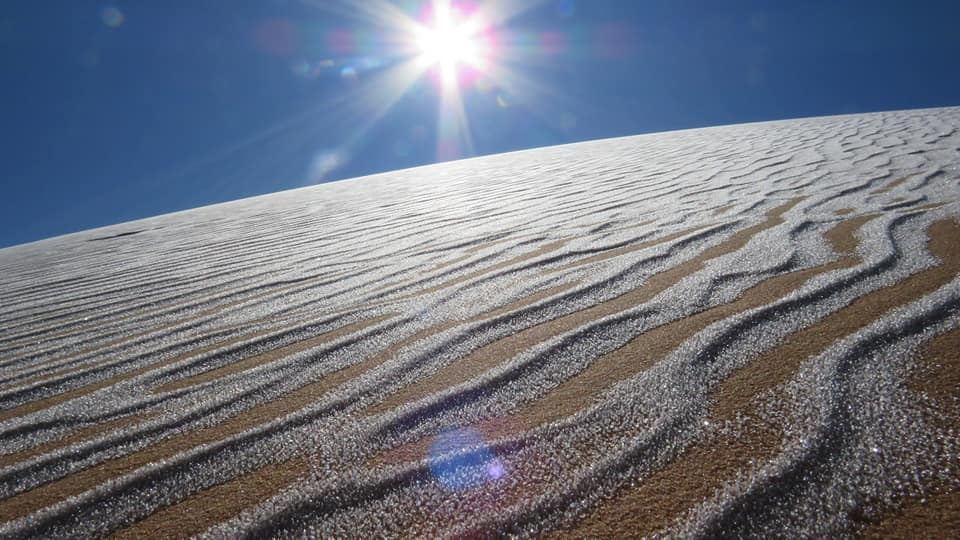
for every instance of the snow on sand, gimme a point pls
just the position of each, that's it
(750, 330)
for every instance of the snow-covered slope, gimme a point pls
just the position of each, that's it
(742, 330)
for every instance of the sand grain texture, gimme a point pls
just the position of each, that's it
(742, 331)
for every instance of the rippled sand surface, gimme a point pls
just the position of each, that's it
(750, 330)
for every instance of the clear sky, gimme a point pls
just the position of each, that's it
(120, 110)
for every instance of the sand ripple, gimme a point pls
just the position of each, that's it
(727, 331)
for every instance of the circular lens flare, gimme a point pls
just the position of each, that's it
(460, 460)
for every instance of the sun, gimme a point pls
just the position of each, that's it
(451, 42)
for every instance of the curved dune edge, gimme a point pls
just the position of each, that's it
(938, 512)
(698, 333)
(698, 473)
(646, 349)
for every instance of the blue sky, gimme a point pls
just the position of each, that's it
(122, 110)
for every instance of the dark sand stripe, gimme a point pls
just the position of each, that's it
(81, 435)
(466, 254)
(630, 248)
(892, 184)
(491, 355)
(702, 469)
(145, 317)
(88, 478)
(83, 480)
(216, 504)
(644, 350)
(272, 355)
(85, 389)
(542, 250)
(76, 363)
(776, 366)
(296, 400)
(722, 209)
(937, 514)
(45, 403)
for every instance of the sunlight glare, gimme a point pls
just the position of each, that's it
(451, 42)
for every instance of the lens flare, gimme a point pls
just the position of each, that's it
(452, 41)
(464, 46)
(112, 17)
(460, 459)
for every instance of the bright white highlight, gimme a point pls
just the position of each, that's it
(450, 42)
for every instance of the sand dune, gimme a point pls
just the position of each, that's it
(749, 330)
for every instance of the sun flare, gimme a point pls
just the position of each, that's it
(451, 42)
